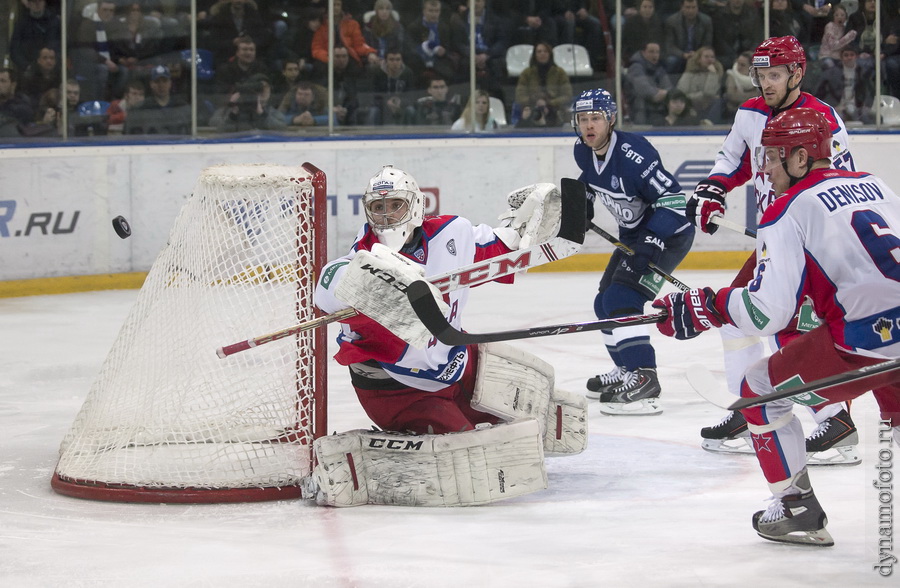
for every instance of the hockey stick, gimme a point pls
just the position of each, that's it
(629, 251)
(568, 242)
(821, 384)
(724, 222)
(430, 314)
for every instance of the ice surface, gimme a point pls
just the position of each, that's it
(643, 506)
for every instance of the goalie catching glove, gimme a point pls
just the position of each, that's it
(533, 216)
(708, 200)
(689, 313)
(375, 283)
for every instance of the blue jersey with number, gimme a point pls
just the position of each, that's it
(834, 238)
(633, 185)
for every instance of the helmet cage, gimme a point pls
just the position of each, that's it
(391, 183)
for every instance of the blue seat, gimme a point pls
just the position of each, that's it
(93, 108)
(205, 68)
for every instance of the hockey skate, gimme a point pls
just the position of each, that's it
(637, 395)
(729, 436)
(794, 518)
(834, 442)
(602, 383)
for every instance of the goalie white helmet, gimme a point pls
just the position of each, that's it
(394, 206)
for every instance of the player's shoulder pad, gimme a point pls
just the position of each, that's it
(634, 152)
(810, 101)
(756, 104)
(432, 225)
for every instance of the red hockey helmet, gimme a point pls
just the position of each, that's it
(799, 127)
(778, 51)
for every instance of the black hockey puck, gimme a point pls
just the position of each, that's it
(121, 226)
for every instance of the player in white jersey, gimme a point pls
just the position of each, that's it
(440, 400)
(777, 70)
(833, 238)
(624, 173)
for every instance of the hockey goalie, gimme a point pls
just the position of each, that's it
(460, 425)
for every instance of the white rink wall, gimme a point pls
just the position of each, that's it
(56, 204)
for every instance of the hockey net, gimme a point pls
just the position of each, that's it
(168, 421)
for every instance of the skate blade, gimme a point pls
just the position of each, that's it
(820, 538)
(836, 456)
(645, 407)
(736, 446)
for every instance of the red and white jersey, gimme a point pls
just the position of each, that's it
(446, 243)
(834, 237)
(738, 161)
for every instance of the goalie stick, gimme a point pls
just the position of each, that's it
(821, 384)
(430, 314)
(629, 251)
(724, 222)
(568, 242)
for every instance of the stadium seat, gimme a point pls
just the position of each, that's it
(205, 69)
(498, 111)
(517, 58)
(574, 59)
(93, 108)
(890, 110)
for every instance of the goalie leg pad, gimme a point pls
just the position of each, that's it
(476, 467)
(567, 424)
(513, 384)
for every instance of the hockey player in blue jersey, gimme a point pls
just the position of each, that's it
(623, 172)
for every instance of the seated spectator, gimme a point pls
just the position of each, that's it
(863, 22)
(576, 24)
(135, 93)
(286, 79)
(436, 108)
(544, 79)
(350, 35)
(816, 13)
(42, 75)
(436, 44)
(393, 77)
(848, 89)
(538, 115)
(647, 85)
(890, 47)
(249, 109)
(702, 83)
(738, 86)
(531, 23)
(384, 31)
(643, 27)
(737, 27)
(491, 43)
(481, 109)
(686, 31)
(304, 107)
(785, 20)
(244, 64)
(836, 36)
(232, 20)
(15, 108)
(47, 118)
(679, 111)
(90, 53)
(162, 112)
(298, 43)
(391, 110)
(133, 41)
(348, 76)
(36, 28)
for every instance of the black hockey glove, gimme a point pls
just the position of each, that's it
(708, 199)
(648, 249)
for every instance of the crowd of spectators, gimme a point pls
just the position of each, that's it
(262, 64)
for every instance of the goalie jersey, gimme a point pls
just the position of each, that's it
(441, 244)
(738, 160)
(833, 237)
(633, 185)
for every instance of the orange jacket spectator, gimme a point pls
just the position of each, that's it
(350, 36)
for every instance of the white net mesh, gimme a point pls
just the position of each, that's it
(165, 412)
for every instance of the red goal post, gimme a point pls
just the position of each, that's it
(166, 420)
